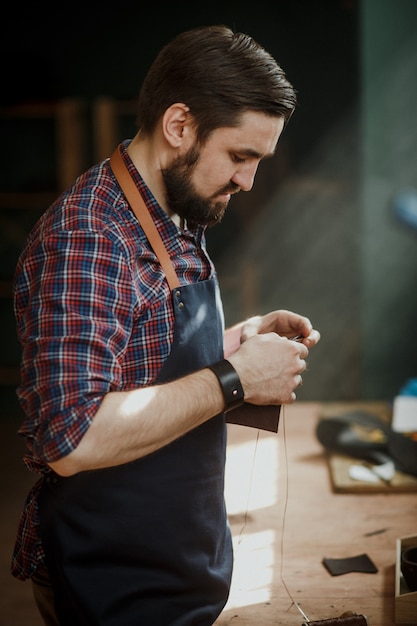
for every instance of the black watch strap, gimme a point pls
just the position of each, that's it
(230, 383)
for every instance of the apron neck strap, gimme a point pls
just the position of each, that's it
(143, 216)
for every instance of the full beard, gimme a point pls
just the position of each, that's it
(184, 201)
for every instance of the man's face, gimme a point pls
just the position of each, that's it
(200, 181)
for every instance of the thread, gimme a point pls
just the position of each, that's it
(284, 436)
(245, 518)
(284, 516)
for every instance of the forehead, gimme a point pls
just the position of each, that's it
(256, 135)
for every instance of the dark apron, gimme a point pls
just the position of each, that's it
(147, 543)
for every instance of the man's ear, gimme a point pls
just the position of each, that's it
(177, 124)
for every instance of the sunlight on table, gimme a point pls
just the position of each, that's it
(251, 485)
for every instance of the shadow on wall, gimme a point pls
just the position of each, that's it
(328, 245)
(303, 255)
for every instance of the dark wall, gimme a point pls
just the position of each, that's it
(389, 246)
(89, 51)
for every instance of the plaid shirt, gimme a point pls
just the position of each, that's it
(94, 315)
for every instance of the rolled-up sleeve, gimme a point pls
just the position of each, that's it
(74, 311)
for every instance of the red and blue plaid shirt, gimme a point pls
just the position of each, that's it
(94, 315)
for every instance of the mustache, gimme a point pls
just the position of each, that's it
(229, 188)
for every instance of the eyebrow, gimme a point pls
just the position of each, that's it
(248, 152)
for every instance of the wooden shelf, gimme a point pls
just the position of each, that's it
(107, 115)
(9, 376)
(68, 116)
(6, 288)
(21, 201)
(72, 148)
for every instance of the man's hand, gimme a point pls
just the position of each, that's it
(270, 366)
(284, 323)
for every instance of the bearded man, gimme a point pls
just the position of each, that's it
(127, 372)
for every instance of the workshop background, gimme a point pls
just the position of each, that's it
(318, 234)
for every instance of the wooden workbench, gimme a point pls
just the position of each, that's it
(286, 517)
(268, 552)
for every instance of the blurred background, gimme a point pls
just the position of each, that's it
(318, 234)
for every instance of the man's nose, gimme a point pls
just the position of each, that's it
(245, 175)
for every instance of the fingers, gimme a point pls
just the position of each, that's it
(312, 339)
(303, 365)
(298, 382)
(303, 353)
(250, 328)
(284, 323)
(300, 365)
(270, 367)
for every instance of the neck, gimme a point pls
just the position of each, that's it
(146, 157)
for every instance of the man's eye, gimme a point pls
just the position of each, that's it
(237, 159)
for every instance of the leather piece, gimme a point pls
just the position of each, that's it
(359, 563)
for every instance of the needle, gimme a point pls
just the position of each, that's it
(301, 611)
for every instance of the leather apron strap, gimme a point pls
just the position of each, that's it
(143, 216)
(266, 418)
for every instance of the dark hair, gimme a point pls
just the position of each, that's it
(219, 75)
